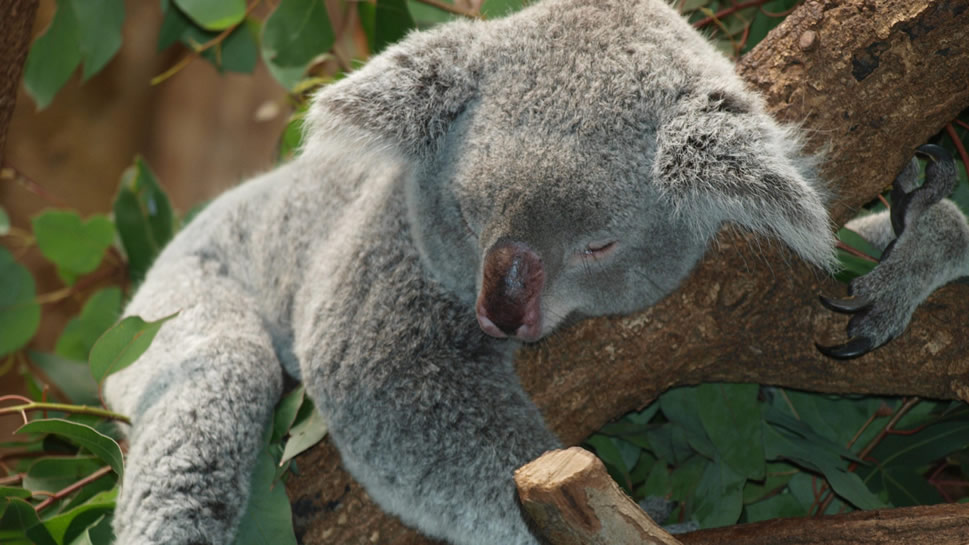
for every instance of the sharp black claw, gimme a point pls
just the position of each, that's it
(937, 154)
(859, 346)
(844, 306)
(899, 209)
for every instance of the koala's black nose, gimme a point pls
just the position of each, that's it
(510, 301)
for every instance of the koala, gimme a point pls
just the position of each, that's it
(471, 188)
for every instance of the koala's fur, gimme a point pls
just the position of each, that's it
(357, 266)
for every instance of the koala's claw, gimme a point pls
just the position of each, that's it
(845, 306)
(909, 201)
(855, 347)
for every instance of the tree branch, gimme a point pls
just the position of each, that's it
(868, 81)
(16, 22)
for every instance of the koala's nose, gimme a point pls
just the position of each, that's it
(510, 301)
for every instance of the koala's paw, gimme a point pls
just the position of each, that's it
(931, 248)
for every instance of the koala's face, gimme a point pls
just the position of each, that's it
(562, 227)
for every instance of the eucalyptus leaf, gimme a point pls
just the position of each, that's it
(731, 416)
(121, 345)
(99, 313)
(53, 56)
(67, 526)
(98, 32)
(392, 22)
(297, 32)
(4, 222)
(268, 517)
(214, 14)
(53, 474)
(72, 244)
(144, 217)
(82, 435)
(19, 312)
(304, 435)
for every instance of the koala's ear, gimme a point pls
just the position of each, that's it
(719, 165)
(406, 97)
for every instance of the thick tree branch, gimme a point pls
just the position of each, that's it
(16, 22)
(869, 81)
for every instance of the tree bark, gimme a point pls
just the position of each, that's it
(16, 22)
(868, 81)
(934, 525)
(572, 500)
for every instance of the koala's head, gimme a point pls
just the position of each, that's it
(576, 158)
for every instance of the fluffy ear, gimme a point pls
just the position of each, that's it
(723, 160)
(406, 97)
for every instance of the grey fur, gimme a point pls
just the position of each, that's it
(356, 266)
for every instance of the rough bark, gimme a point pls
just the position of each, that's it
(869, 81)
(572, 500)
(16, 22)
(935, 525)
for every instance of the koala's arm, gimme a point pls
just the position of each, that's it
(199, 399)
(926, 245)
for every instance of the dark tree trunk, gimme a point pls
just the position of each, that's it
(16, 22)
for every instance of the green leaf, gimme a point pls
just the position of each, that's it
(71, 377)
(53, 56)
(53, 474)
(19, 313)
(658, 483)
(286, 412)
(239, 51)
(214, 14)
(304, 435)
(100, 312)
(719, 496)
(296, 33)
(18, 518)
(175, 24)
(71, 244)
(99, 32)
(777, 476)
(499, 8)
(121, 345)
(144, 218)
(292, 136)
(99, 533)
(66, 527)
(732, 419)
(679, 405)
(14, 492)
(268, 517)
(82, 435)
(424, 15)
(392, 22)
(783, 505)
(4, 222)
(685, 478)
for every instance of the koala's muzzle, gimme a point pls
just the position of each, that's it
(510, 301)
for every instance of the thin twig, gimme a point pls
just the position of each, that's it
(728, 11)
(66, 491)
(198, 50)
(62, 407)
(902, 411)
(855, 252)
(959, 147)
(14, 174)
(443, 6)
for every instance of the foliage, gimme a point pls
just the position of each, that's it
(724, 452)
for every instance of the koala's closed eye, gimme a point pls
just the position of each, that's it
(597, 251)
